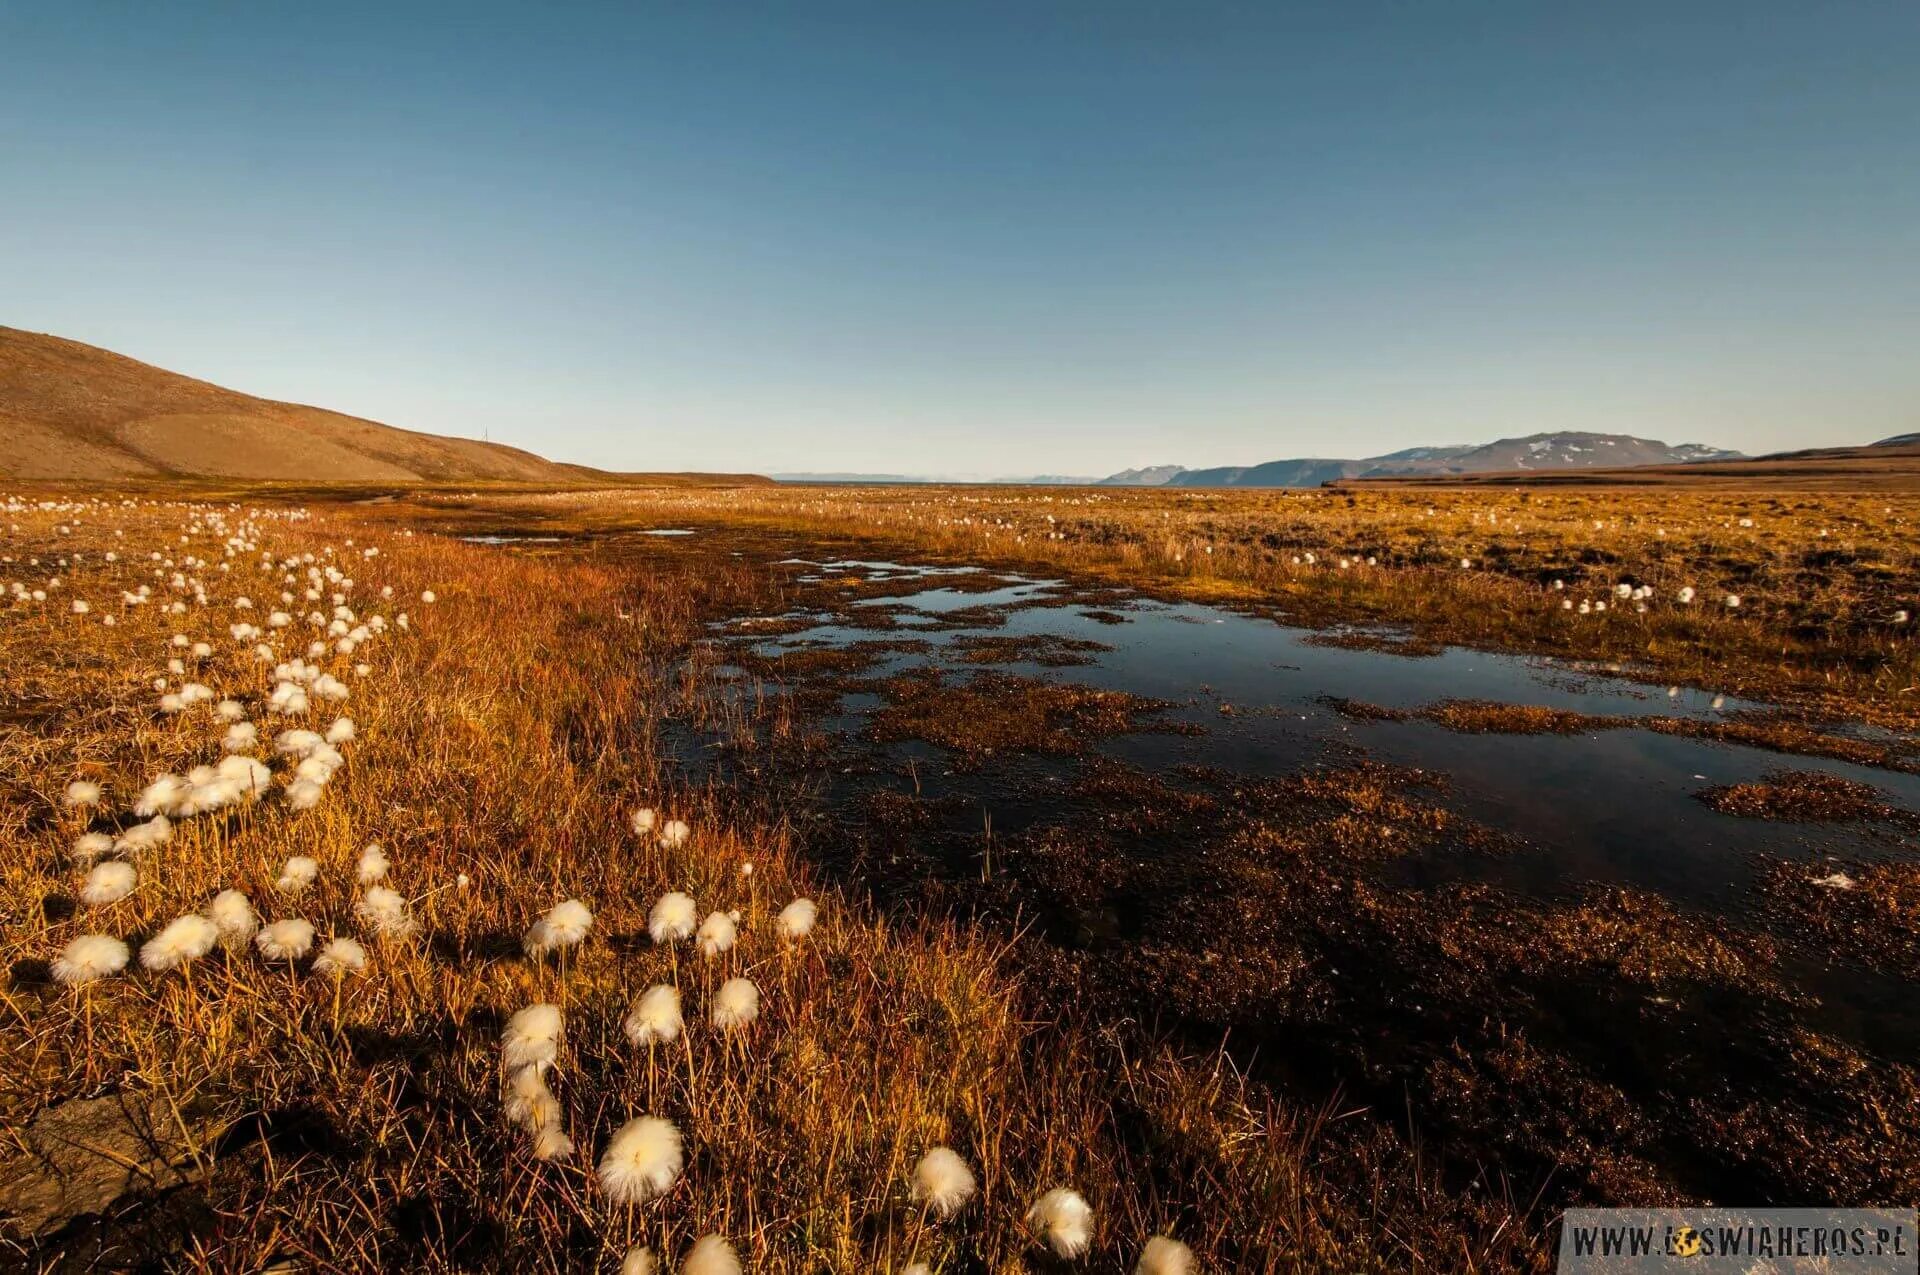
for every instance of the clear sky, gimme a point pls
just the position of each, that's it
(985, 238)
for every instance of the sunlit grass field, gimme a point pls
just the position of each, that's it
(309, 1112)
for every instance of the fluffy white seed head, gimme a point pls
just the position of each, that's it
(711, 1255)
(551, 1143)
(638, 1261)
(796, 919)
(716, 935)
(297, 875)
(532, 1037)
(1064, 1220)
(385, 913)
(108, 883)
(287, 940)
(232, 914)
(89, 846)
(643, 821)
(655, 1016)
(675, 834)
(672, 918)
(156, 831)
(736, 1004)
(1165, 1255)
(342, 731)
(241, 737)
(943, 1182)
(340, 957)
(373, 865)
(526, 1100)
(89, 957)
(81, 793)
(642, 1160)
(565, 925)
(305, 794)
(185, 938)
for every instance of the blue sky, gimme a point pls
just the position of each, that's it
(985, 238)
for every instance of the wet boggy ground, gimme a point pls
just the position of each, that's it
(1581, 939)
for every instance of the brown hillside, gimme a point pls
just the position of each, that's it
(74, 411)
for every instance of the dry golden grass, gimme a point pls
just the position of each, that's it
(506, 735)
(1826, 581)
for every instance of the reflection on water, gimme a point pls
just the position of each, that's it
(1611, 807)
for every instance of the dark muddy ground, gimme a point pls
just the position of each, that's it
(1515, 910)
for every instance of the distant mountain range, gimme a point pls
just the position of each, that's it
(1536, 452)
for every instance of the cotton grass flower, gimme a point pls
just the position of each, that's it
(796, 919)
(89, 957)
(532, 1037)
(89, 846)
(297, 875)
(304, 794)
(385, 913)
(675, 834)
(154, 833)
(527, 1101)
(185, 939)
(551, 1143)
(342, 731)
(287, 940)
(711, 1255)
(373, 865)
(638, 1261)
(1064, 1220)
(655, 1017)
(1165, 1255)
(943, 1182)
(108, 883)
(673, 918)
(641, 1162)
(232, 915)
(642, 821)
(717, 934)
(240, 737)
(340, 957)
(80, 794)
(565, 925)
(735, 1005)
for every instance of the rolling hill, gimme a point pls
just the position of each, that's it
(1565, 450)
(77, 412)
(1892, 464)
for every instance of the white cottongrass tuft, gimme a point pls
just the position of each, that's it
(89, 957)
(156, 831)
(642, 1160)
(89, 846)
(385, 913)
(373, 865)
(108, 883)
(305, 794)
(82, 792)
(232, 915)
(551, 1143)
(186, 938)
(527, 1100)
(672, 918)
(638, 1261)
(655, 1016)
(1064, 1220)
(341, 957)
(717, 933)
(642, 821)
(250, 777)
(711, 1255)
(565, 925)
(241, 737)
(342, 731)
(163, 796)
(286, 940)
(532, 1037)
(297, 875)
(230, 710)
(675, 834)
(736, 1004)
(943, 1182)
(1165, 1255)
(796, 919)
